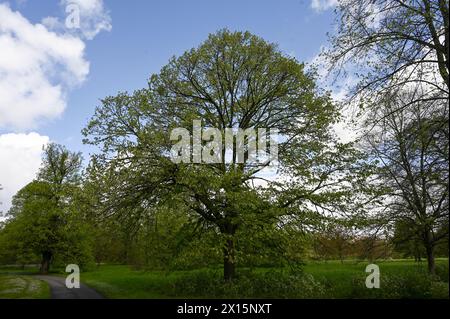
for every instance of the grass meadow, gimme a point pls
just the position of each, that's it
(322, 279)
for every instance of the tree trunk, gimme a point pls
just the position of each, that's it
(228, 260)
(45, 263)
(430, 259)
(429, 247)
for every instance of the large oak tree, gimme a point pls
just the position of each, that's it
(233, 80)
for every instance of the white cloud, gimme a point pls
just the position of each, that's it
(339, 90)
(40, 63)
(37, 67)
(20, 159)
(93, 18)
(322, 5)
(339, 87)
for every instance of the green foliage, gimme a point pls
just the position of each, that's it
(266, 284)
(406, 285)
(43, 224)
(398, 279)
(232, 80)
(39, 225)
(159, 240)
(177, 222)
(407, 240)
(75, 247)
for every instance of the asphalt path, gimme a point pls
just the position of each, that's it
(60, 291)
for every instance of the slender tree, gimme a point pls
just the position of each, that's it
(39, 216)
(411, 148)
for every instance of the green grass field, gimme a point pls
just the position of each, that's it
(331, 279)
(347, 280)
(399, 279)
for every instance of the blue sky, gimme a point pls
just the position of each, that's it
(139, 38)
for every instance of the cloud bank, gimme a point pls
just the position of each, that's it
(20, 159)
(39, 64)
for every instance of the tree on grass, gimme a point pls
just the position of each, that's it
(411, 149)
(234, 80)
(399, 52)
(42, 219)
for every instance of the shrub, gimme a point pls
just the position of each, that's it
(408, 285)
(269, 284)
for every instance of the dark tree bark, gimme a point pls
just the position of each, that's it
(430, 260)
(228, 261)
(429, 247)
(45, 263)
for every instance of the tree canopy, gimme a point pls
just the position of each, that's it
(233, 80)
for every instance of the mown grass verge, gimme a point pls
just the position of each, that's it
(14, 286)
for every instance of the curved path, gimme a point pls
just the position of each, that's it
(60, 291)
